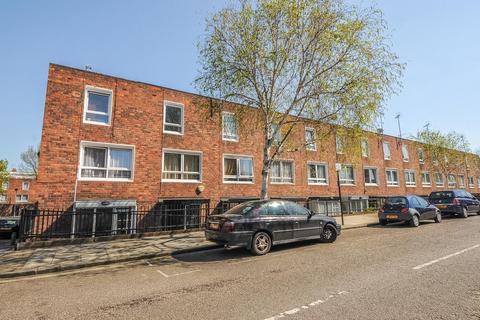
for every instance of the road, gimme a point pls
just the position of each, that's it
(393, 272)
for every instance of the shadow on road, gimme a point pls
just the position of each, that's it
(240, 253)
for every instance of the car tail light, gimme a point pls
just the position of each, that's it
(404, 210)
(456, 202)
(228, 226)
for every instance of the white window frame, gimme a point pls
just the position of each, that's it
(182, 153)
(93, 144)
(354, 176)
(234, 139)
(461, 181)
(25, 183)
(314, 143)
(390, 183)
(281, 172)
(376, 176)
(385, 156)
(471, 185)
(3, 198)
(5, 185)
(182, 125)
(405, 153)
(102, 91)
(436, 181)
(238, 157)
(478, 181)
(364, 142)
(23, 198)
(315, 163)
(424, 174)
(451, 184)
(408, 183)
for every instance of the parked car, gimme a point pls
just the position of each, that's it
(257, 225)
(9, 227)
(411, 209)
(457, 202)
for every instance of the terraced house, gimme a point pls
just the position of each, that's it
(116, 143)
(17, 193)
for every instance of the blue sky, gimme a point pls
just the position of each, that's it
(155, 41)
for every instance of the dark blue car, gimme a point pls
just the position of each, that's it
(258, 225)
(457, 202)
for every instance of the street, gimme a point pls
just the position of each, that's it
(392, 272)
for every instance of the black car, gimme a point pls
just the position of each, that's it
(258, 225)
(9, 227)
(411, 209)
(457, 202)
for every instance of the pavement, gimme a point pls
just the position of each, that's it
(67, 257)
(391, 272)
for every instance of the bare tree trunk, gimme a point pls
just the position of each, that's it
(265, 170)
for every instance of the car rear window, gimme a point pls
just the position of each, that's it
(441, 195)
(243, 209)
(396, 201)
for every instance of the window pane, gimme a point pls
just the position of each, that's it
(191, 163)
(274, 208)
(312, 171)
(173, 115)
(293, 209)
(275, 170)
(95, 157)
(120, 174)
(287, 171)
(94, 173)
(230, 167)
(229, 126)
(96, 117)
(121, 158)
(172, 162)
(98, 102)
(246, 167)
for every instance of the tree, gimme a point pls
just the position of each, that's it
(316, 62)
(3, 174)
(29, 160)
(448, 152)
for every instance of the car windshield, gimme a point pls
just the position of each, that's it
(396, 201)
(244, 208)
(441, 195)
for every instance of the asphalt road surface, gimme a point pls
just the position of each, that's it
(393, 272)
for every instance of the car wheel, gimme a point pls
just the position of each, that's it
(415, 221)
(464, 213)
(329, 234)
(383, 222)
(438, 217)
(261, 243)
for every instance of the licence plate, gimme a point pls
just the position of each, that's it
(392, 216)
(442, 206)
(214, 226)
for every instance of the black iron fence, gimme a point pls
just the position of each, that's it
(96, 222)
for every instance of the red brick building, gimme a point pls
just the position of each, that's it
(17, 192)
(127, 143)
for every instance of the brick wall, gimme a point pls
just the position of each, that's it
(137, 120)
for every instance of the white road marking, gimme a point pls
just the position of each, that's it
(304, 307)
(445, 258)
(176, 274)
